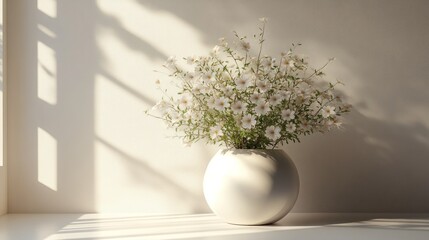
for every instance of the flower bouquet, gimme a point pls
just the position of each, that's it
(249, 101)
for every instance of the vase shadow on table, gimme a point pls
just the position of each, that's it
(367, 220)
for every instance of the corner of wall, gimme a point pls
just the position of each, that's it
(3, 127)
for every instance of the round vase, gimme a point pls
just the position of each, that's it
(251, 186)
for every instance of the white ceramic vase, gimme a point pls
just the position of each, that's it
(251, 186)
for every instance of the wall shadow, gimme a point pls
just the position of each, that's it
(72, 36)
(69, 121)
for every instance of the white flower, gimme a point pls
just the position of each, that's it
(267, 63)
(171, 61)
(329, 123)
(337, 122)
(275, 99)
(211, 102)
(170, 64)
(185, 101)
(272, 74)
(248, 121)
(208, 76)
(216, 132)
(286, 53)
(255, 98)
(288, 114)
(161, 106)
(327, 111)
(287, 63)
(285, 94)
(197, 88)
(273, 133)
(262, 107)
(305, 125)
(238, 107)
(228, 91)
(303, 92)
(223, 42)
(191, 60)
(290, 127)
(221, 103)
(245, 45)
(263, 86)
(215, 50)
(243, 82)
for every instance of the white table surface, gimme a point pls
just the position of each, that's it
(208, 227)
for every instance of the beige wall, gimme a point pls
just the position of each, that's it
(81, 73)
(3, 167)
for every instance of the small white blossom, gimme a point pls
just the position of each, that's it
(216, 132)
(238, 107)
(327, 111)
(287, 63)
(285, 94)
(248, 121)
(286, 53)
(290, 127)
(211, 102)
(191, 60)
(267, 63)
(263, 86)
(170, 64)
(171, 61)
(208, 76)
(221, 103)
(223, 42)
(228, 91)
(305, 125)
(337, 122)
(303, 92)
(243, 82)
(215, 50)
(273, 133)
(262, 107)
(329, 123)
(288, 114)
(185, 101)
(275, 99)
(161, 106)
(255, 98)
